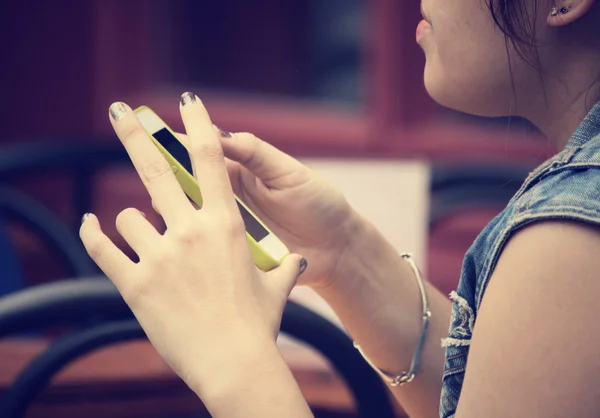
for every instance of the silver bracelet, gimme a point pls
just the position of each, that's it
(407, 377)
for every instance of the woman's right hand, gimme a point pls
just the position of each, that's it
(311, 217)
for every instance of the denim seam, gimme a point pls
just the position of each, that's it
(531, 192)
(519, 204)
(455, 370)
(455, 356)
(564, 157)
(575, 213)
(492, 260)
(525, 185)
(579, 164)
(462, 321)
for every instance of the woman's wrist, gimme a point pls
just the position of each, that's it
(249, 379)
(357, 230)
(223, 359)
(364, 244)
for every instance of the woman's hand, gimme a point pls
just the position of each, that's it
(309, 215)
(195, 290)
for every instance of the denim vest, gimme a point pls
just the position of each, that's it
(567, 186)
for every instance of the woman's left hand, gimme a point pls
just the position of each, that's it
(202, 302)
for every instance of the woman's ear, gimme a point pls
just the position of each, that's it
(566, 12)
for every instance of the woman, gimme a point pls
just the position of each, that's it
(523, 312)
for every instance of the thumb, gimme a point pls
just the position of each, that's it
(272, 166)
(285, 276)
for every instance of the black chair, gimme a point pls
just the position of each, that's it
(18, 207)
(79, 158)
(78, 303)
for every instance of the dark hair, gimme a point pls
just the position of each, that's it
(516, 19)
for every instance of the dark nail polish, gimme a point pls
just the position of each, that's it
(302, 266)
(188, 98)
(224, 133)
(84, 217)
(117, 111)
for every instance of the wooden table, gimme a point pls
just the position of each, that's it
(130, 380)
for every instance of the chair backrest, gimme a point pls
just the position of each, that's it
(62, 242)
(71, 302)
(78, 157)
(10, 272)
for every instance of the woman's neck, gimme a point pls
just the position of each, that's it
(563, 118)
(566, 97)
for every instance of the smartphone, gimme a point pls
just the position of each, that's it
(268, 251)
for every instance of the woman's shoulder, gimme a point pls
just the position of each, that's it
(566, 187)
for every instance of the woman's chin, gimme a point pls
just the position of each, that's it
(443, 92)
(461, 97)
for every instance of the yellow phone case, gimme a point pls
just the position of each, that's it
(190, 186)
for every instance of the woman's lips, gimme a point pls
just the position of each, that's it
(423, 28)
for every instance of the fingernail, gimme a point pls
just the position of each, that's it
(302, 266)
(143, 214)
(84, 217)
(117, 111)
(224, 133)
(187, 98)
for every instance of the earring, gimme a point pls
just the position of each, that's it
(555, 11)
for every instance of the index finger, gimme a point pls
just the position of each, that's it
(152, 167)
(207, 153)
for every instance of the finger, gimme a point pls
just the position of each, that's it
(111, 260)
(285, 277)
(234, 170)
(222, 132)
(233, 167)
(262, 159)
(153, 169)
(207, 154)
(133, 226)
(183, 138)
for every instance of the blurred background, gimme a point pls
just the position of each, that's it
(336, 83)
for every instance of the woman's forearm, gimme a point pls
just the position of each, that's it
(254, 383)
(376, 296)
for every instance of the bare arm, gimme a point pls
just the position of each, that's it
(534, 351)
(371, 288)
(259, 385)
(376, 296)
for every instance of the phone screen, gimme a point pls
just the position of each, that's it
(181, 154)
(175, 148)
